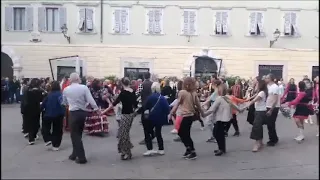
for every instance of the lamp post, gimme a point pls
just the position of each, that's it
(276, 36)
(64, 31)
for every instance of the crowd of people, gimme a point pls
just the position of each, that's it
(76, 104)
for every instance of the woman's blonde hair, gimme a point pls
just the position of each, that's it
(155, 87)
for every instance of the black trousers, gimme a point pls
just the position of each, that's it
(149, 130)
(52, 130)
(234, 123)
(184, 132)
(76, 124)
(271, 124)
(24, 124)
(152, 133)
(218, 133)
(32, 123)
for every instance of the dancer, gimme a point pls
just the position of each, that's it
(273, 104)
(188, 107)
(290, 93)
(316, 98)
(309, 91)
(128, 99)
(252, 92)
(52, 122)
(157, 108)
(77, 97)
(302, 109)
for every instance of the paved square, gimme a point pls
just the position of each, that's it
(287, 160)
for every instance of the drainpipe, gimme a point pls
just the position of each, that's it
(101, 21)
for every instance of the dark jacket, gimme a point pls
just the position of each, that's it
(146, 90)
(52, 105)
(159, 115)
(31, 101)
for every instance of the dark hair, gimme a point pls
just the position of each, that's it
(229, 91)
(262, 86)
(302, 86)
(55, 86)
(95, 84)
(189, 84)
(125, 81)
(217, 82)
(147, 75)
(180, 85)
(34, 83)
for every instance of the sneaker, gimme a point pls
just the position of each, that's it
(55, 149)
(150, 153)
(186, 154)
(236, 134)
(31, 143)
(299, 138)
(212, 139)
(311, 121)
(174, 131)
(270, 143)
(48, 143)
(191, 156)
(161, 152)
(26, 135)
(306, 121)
(178, 139)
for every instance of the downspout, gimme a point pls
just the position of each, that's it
(101, 21)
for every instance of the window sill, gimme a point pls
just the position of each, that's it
(51, 32)
(18, 30)
(86, 33)
(220, 35)
(290, 36)
(255, 36)
(189, 35)
(121, 34)
(147, 34)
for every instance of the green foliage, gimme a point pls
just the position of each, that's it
(111, 77)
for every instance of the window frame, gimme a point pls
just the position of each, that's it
(147, 20)
(46, 19)
(296, 29)
(113, 32)
(25, 16)
(263, 33)
(228, 34)
(94, 30)
(195, 24)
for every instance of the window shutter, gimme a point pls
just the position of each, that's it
(62, 16)
(294, 23)
(124, 21)
(157, 21)
(82, 16)
(287, 23)
(9, 18)
(42, 19)
(29, 15)
(253, 23)
(89, 19)
(192, 22)
(260, 21)
(185, 25)
(218, 22)
(225, 28)
(151, 21)
(116, 21)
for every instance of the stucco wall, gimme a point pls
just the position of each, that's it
(105, 60)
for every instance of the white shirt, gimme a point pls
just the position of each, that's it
(261, 105)
(273, 90)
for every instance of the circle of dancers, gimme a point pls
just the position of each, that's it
(82, 105)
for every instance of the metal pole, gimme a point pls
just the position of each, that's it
(51, 69)
(220, 67)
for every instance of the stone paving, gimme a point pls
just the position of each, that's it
(287, 160)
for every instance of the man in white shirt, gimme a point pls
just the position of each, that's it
(273, 104)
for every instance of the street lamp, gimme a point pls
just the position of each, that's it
(64, 31)
(276, 36)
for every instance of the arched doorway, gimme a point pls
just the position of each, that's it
(6, 66)
(205, 66)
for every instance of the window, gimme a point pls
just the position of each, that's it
(290, 24)
(221, 23)
(121, 21)
(51, 19)
(18, 18)
(256, 24)
(189, 20)
(154, 21)
(86, 20)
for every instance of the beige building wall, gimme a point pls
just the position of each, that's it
(103, 60)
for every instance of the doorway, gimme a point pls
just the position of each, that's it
(135, 73)
(6, 66)
(205, 67)
(276, 70)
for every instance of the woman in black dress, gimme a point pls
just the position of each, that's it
(290, 92)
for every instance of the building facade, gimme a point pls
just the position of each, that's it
(169, 38)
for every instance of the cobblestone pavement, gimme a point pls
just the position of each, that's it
(287, 160)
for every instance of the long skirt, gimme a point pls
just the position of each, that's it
(96, 124)
(124, 143)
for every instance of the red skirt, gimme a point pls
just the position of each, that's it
(96, 123)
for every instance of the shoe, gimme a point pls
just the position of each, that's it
(191, 156)
(186, 154)
(126, 157)
(174, 131)
(255, 148)
(72, 157)
(55, 149)
(216, 151)
(48, 143)
(306, 121)
(299, 138)
(83, 161)
(311, 121)
(212, 139)
(142, 142)
(270, 143)
(219, 153)
(26, 135)
(149, 153)
(236, 134)
(160, 152)
(178, 139)
(31, 143)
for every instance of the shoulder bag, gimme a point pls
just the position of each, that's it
(196, 115)
(147, 112)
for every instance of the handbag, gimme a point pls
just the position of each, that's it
(147, 112)
(196, 115)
